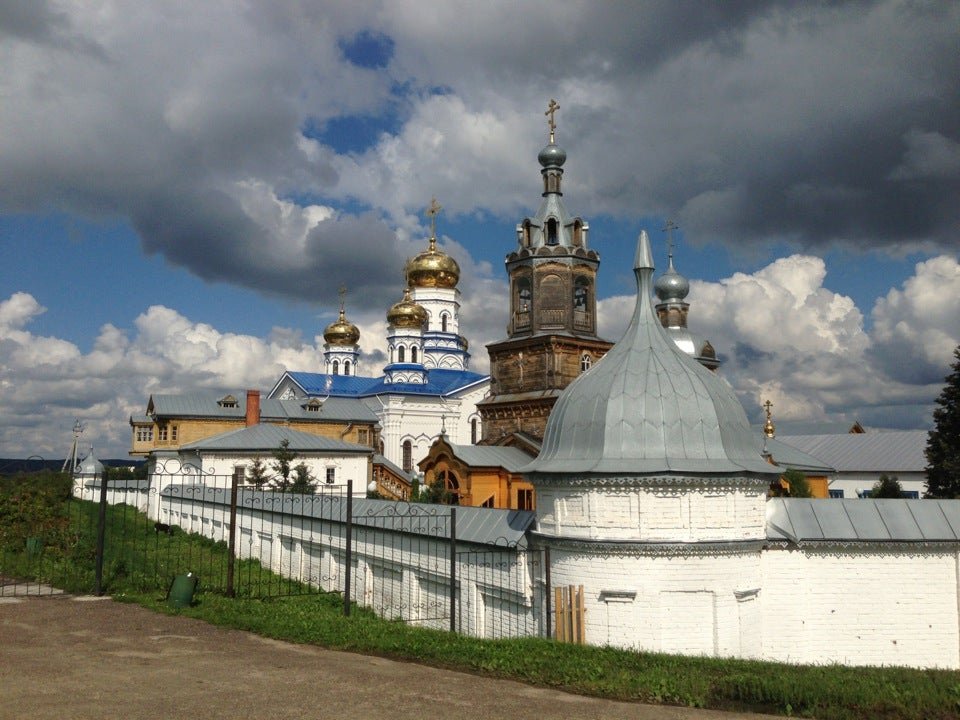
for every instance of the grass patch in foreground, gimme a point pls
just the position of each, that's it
(825, 692)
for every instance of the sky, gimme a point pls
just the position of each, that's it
(184, 187)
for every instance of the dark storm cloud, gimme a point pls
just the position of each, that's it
(210, 234)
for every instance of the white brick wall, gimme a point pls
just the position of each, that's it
(880, 606)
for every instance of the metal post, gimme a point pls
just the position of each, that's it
(453, 569)
(348, 555)
(101, 533)
(232, 542)
(548, 591)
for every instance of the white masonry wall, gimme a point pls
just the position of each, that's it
(876, 605)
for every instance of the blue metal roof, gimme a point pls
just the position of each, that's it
(439, 382)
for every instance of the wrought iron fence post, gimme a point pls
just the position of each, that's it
(453, 569)
(548, 590)
(101, 534)
(348, 557)
(232, 542)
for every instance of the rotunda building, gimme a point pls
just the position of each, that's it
(651, 494)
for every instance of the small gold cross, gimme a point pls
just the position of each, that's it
(432, 213)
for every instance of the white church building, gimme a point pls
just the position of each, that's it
(426, 388)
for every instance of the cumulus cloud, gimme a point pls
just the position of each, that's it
(787, 338)
(46, 382)
(749, 121)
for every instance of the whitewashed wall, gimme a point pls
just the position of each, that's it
(396, 577)
(869, 605)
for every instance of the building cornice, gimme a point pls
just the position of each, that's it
(600, 548)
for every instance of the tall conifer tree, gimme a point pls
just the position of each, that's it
(943, 443)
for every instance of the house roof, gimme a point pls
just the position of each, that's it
(891, 452)
(814, 427)
(266, 437)
(440, 382)
(509, 458)
(379, 459)
(789, 457)
(893, 520)
(206, 405)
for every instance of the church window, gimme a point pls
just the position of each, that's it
(473, 431)
(552, 231)
(488, 503)
(578, 233)
(401, 354)
(585, 362)
(336, 367)
(227, 401)
(413, 354)
(362, 436)
(346, 367)
(525, 500)
(407, 456)
(331, 475)
(443, 322)
(581, 294)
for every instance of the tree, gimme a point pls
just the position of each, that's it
(799, 487)
(943, 442)
(886, 487)
(258, 473)
(283, 461)
(303, 480)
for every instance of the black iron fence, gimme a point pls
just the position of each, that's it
(402, 560)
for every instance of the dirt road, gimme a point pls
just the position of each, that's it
(63, 657)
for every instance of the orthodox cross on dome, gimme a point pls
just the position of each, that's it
(342, 292)
(432, 213)
(669, 228)
(551, 112)
(768, 427)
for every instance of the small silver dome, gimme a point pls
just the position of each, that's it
(553, 155)
(671, 285)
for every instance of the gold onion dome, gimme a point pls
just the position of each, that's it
(406, 313)
(433, 268)
(341, 332)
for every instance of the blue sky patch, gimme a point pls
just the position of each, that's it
(368, 50)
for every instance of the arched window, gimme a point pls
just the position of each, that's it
(443, 322)
(581, 294)
(407, 456)
(346, 367)
(401, 354)
(473, 431)
(336, 367)
(585, 362)
(552, 231)
(413, 354)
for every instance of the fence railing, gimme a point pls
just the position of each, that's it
(402, 560)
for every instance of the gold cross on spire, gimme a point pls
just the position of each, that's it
(669, 228)
(432, 213)
(551, 111)
(342, 292)
(769, 429)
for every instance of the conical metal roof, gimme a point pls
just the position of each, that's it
(648, 408)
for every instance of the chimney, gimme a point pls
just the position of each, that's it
(253, 407)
